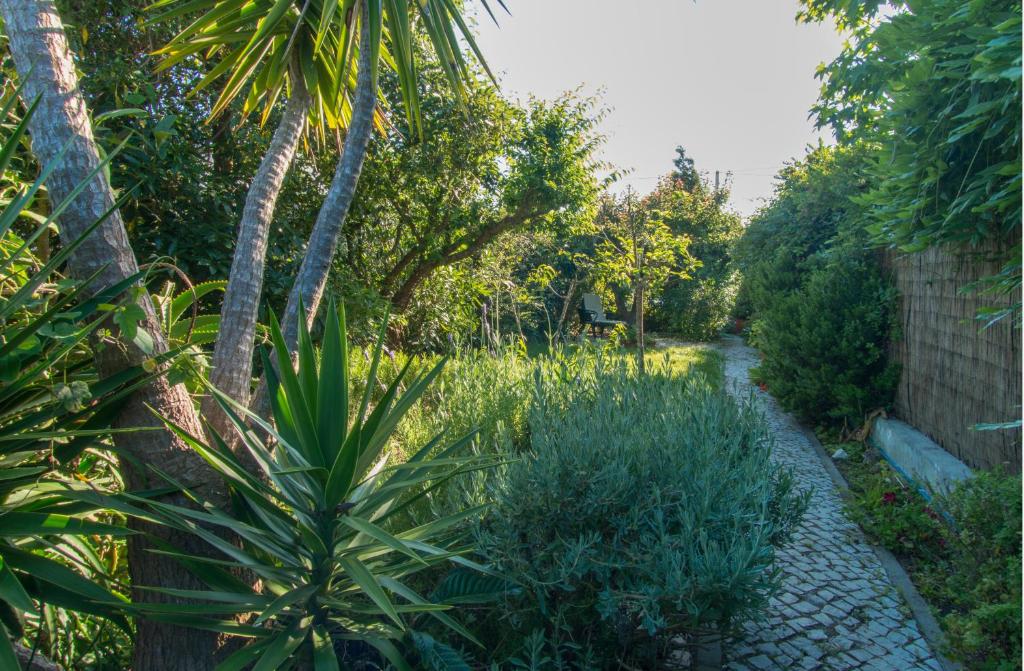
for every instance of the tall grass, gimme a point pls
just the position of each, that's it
(491, 393)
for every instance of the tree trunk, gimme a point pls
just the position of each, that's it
(570, 293)
(323, 241)
(622, 311)
(462, 249)
(638, 308)
(44, 63)
(232, 355)
(309, 285)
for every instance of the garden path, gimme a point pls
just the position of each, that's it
(837, 608)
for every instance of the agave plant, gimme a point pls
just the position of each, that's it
(322, 526)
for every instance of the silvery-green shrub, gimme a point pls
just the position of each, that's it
(646, 507)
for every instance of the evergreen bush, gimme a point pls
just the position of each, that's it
(825, 343)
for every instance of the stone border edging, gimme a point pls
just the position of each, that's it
(919, 608)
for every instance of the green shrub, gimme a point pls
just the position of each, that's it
(646, 507)
(698, 309)
(825, 343)
(822, 310)
(982, 581)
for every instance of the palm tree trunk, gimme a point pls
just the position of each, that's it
(44, 63)
(232, 355)
(309, 285)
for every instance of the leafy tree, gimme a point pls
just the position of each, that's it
(812, 204)
(934, 87)
(468, 184)
(685, 172)
(697, 306)
(823, 309)
(638, 251)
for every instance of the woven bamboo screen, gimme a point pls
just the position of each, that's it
(955, 375)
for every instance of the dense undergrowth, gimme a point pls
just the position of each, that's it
(961, 550)
(610, 523)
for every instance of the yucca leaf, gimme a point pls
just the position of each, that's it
(293, 400)
(367, 582)
(413, 597)
(308, 383)
(390, 653)
(293, 597)
(12, 591)
(413, 609)
(371, 376)
(376, 533)
(8, 660)
(213, 516)
(197, 621)
(244, 657)
(282, 645)
(324, 658)
(12, 141)
(387, 424)
(64, 587)
(15, 524)
(332, 392)
(252, 599)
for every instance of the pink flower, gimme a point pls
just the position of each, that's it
(889, 498)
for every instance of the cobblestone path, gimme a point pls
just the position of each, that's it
(837, 608)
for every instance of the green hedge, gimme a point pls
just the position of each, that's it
(823, 311)
(825, 343)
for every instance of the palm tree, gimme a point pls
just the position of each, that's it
(332, 50)
(62, 135)
(438, 19)
(62, 139)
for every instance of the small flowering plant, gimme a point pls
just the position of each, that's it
(896, 516)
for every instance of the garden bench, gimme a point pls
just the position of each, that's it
(592, 314)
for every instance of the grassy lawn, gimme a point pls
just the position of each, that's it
(695, 358)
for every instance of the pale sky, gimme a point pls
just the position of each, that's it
(730, 80)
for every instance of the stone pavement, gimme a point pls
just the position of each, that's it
(837, 608)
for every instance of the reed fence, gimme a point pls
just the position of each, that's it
(955, 374)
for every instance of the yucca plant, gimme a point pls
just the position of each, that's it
(321, 526)
(52, 409)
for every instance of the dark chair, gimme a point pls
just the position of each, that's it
(592, 314)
